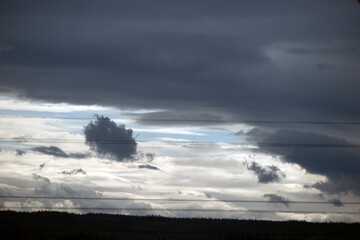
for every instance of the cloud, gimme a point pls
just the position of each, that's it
(336, 202)
(205, 60)
(323, 66)
(217, 62)
(40, 178)
(74, 171)
(57, 152)
(321, 51)
(104, 136)
(64, 190)
(148, 157)
(20, 139)
(276, 198)
(20, 152)
(267, 174)
(340, 165)
(5, 48)
(147, 166)
(207, 195)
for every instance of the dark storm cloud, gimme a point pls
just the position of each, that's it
(175, 117)
(267, 174)
(5, 48)
(57, 152)
(323, 51)
(187, 56)
(277, 198)
(104, 136)
(323, 66)
(74, 171)
(340, 165)
(246, 60)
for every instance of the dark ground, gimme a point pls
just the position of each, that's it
(56, 225)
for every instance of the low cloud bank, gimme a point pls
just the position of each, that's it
(340, 165)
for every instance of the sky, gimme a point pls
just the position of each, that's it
(204, 100)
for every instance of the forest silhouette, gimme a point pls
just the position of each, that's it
(61, 225)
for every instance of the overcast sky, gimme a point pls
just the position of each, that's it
(212, 74)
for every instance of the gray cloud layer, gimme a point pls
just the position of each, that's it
(57, 152)
(40, 178)
(218, 57)
(262, 60)
(20, 152)
(336, 202)
(74, 171)
(340, 165)
(276, 198)
(104, 136)
(147, 166)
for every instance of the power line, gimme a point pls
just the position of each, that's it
(203, 120)
(308, 145)
(176, 200)
(260, 144)
(182, 210)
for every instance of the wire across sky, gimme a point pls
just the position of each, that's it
(174, 200)
(181, 210)
(245, 145)
(200, 120)
(194, 144)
